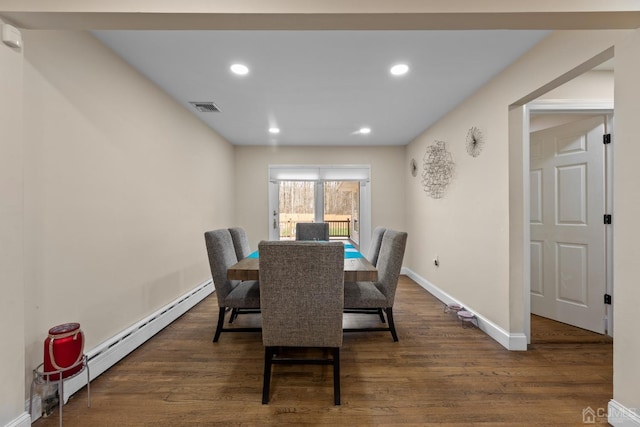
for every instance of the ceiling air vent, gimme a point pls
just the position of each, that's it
(205, 107)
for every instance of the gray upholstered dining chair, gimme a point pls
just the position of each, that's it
(312, 231)
(380, 294)
(374, 247)
(372, 257)
(240, 242)
(301, 299)
(243, 250)
(233, 294)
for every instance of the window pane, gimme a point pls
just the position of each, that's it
(296, 200)
(341, 207)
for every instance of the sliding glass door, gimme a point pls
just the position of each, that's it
(319, 194)
(335, 202)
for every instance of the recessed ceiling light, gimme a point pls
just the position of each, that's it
(399, 69)
(365, 131)
(240, 69)
(274, 130)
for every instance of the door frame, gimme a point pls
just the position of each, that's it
(604, 107)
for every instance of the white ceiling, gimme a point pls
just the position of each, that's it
(320, 87)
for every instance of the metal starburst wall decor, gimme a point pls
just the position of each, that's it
(475, 141)
(438, 170)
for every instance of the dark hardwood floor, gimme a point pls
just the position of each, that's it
(437, 374)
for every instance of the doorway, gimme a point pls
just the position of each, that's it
(568, 201)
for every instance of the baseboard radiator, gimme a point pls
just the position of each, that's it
(110, 352)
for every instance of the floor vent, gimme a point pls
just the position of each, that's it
(205, 107)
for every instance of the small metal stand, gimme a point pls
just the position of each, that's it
(467, 318)
(452, 308)
(41, 377)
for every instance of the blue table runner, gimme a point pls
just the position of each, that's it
(349, 252)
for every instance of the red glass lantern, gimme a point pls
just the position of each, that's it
(63, 349)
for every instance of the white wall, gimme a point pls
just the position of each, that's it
(11, 235)
(626, 228)
(387, 181)
(591, 86)
(120, 184)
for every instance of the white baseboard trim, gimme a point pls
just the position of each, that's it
(510, 341)
(621, 416)
(111, 351)
(24, 420)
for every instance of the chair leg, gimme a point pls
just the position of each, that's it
(268, 356)
(392, 326)
(336, 376)
(234, 314)
(221, 314)
(381, 314)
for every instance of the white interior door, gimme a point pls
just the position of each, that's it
(568, 255)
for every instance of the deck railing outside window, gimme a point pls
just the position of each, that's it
(337, 228)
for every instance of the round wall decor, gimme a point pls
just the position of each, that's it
(475, 141)
(413, 167)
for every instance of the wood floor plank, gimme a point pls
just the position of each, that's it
(437, 374)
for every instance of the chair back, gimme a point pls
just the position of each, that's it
(374, 248)
(301, 293)
(240, 242)
(312, 231)
(222, 255)
(390, 263)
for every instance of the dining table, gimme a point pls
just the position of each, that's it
(357, 268)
